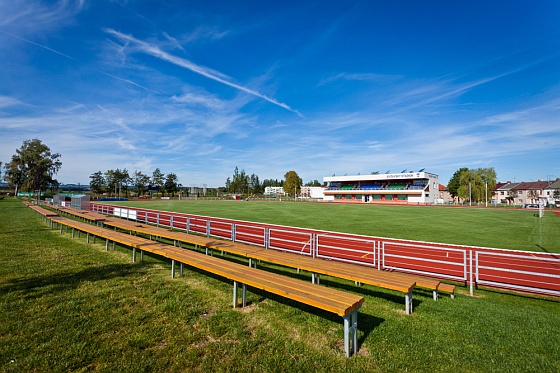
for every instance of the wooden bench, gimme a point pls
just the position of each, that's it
(48, 215)
(86, 215)
(447, 288)
(336, 301)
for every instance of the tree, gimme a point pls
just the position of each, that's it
(228, 185)
(314, 183)
(488, 177)
(117, 179)
(158, 178)
(140, 181)
(533, 194)
(455, 182)
(97, 182)
(473, 184)
(512, 196)
(32, 167)
(255, 184)
(171, 183)
(240, 182)
(292, 183)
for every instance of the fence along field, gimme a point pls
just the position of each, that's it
(524, 271)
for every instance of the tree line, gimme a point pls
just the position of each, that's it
(118, 181)
(250, 185)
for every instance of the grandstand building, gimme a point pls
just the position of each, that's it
(418, 188)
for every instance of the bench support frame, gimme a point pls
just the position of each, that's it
(408, 302)
(351, 333)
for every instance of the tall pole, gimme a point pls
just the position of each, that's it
(470, 194)
(486, 186)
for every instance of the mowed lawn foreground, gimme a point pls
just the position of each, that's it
(71, 306)
(516, 229)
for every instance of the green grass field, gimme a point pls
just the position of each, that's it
(70, 306)
(500, 228)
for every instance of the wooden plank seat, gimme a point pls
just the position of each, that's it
(48, 215)
(433, 284)
(336, 301)
(86, 215)
(447, 288)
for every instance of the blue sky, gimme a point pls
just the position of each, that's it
(320, 87)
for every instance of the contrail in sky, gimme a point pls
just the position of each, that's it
(73, 59)
(208, 73)
(39, 45)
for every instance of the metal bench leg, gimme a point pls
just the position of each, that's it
(435, 295)
(72, 232)
(87, 239)
(314, 278)
(106, 244)
(351, 333)
(408, 302)
(181, 270)
(243, 295)
(234, 294)
(172, 268)
(133, 255)
(142, 257)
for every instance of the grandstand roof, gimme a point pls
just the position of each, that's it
(402, 175)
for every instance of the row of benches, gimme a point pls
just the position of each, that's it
(341, 303)
(359, 274)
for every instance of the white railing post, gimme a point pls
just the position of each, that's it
(471, 273)
(267, 238)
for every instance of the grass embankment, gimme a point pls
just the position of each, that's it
(500, 228)
(69, 306)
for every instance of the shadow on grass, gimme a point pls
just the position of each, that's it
(366, 323)
(61, 282)
(512, 293)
